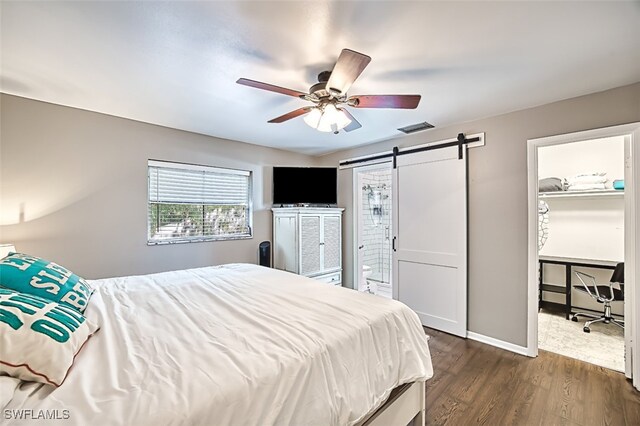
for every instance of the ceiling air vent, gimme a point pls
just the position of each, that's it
(416, 127)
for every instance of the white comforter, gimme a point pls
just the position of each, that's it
(233, 345)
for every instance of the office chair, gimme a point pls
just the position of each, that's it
(602, 294)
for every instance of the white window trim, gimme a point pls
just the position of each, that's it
(187, 166)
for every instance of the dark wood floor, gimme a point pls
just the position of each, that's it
(474, 383)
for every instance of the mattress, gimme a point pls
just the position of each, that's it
(233, 344)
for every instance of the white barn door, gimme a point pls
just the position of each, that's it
(430, 237)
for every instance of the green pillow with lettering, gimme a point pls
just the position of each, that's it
(33, 275)
(39, 338)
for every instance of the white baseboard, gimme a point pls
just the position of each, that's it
(522, 350)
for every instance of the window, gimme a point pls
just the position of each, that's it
(197, 203)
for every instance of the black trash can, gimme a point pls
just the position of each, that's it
(265, 253)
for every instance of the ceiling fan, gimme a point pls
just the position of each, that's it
(330, 96)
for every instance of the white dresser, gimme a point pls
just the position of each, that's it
(308, 241)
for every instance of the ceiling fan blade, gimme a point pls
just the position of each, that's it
(354, 125)
(349, 66)
(270, 87)
(293, 114)
(385, 101)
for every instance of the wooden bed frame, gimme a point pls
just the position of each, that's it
(406, 405)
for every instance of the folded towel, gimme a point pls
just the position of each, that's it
(618, 184)
(585, 179)
(551, 184)
(591, 174)
(586, 186)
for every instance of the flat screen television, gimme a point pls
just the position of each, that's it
(305, 185)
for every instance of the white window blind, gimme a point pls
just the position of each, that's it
(197, 203)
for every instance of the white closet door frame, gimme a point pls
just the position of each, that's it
(631, 133)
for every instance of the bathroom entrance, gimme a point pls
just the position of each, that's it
(372, 204)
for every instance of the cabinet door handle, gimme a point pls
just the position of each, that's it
(361, 247)
(393, 243)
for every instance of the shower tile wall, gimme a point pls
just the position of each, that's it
(376, 239)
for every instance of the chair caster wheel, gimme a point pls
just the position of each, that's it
(574, 319)
(586, 330)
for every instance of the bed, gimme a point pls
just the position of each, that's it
(237, 344)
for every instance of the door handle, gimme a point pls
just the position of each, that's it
(361, 247)
(393, 244)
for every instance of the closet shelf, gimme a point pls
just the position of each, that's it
(586, 194)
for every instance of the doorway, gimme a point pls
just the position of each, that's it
(372, 201)
(582, 226)
(581, 241)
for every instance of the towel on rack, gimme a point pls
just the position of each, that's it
(552, 184)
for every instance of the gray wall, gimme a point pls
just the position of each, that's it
(498, 198)
(73, 188)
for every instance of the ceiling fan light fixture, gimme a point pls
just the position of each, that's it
(329, 119)
(313, 118)
(342, 119)
(332, 119)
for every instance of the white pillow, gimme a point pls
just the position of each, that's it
(39, 339)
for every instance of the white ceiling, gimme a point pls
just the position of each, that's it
(176, 63)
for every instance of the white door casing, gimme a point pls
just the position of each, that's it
(631, 133)
(629, 252)
(359, 220)
(430, 237)
(632, 252)
(359, 246)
